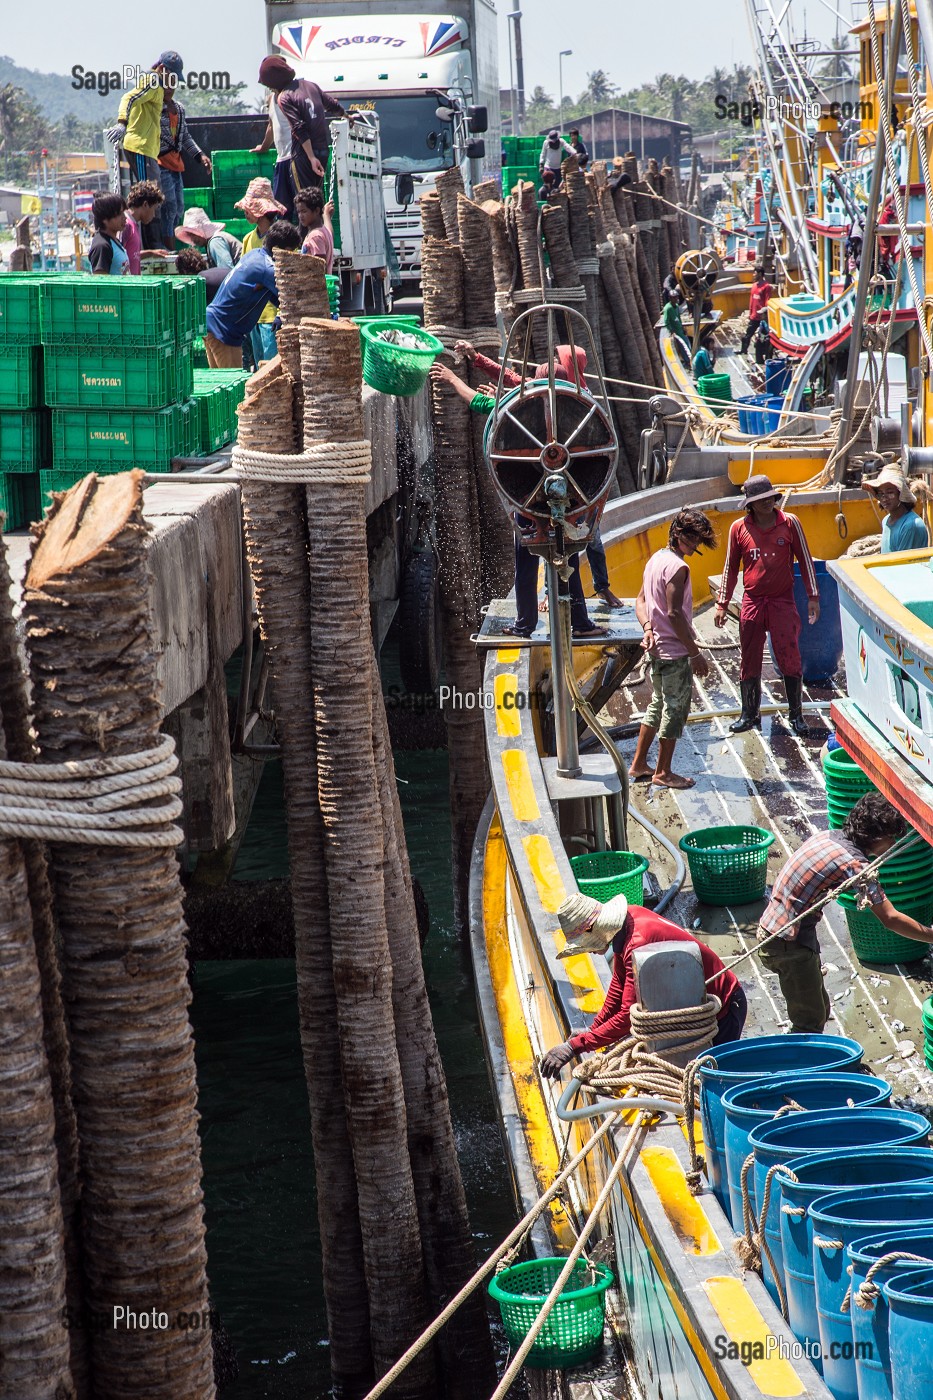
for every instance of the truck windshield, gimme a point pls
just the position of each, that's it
(412, 135)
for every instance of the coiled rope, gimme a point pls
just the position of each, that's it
(124, 800)
(477, 335)
(346, 463)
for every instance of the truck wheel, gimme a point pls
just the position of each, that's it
(419, 616)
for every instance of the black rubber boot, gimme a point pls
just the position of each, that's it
(750, 718)
(793, 687)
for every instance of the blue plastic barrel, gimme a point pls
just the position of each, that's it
(820, 645)
(910, 1333)
(771, 416)
(838, 1220)
(800, 1134)
(778, 373)
(747, 1105)
(818, 1174)
(741, 1061)
(870, 1325)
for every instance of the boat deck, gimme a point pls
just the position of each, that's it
(774, 780)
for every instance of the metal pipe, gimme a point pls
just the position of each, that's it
(574, 1115)
(924, 12)
(893, 40)
(564, 53)
(565, 724)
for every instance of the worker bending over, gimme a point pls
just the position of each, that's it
(590, 927)
(821, 865)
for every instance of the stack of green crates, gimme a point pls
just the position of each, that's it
(200, 197)
(118, 371)
(217, 393)
(24, 422)
(232, 172)
(520, 156)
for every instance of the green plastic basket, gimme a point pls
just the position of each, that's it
(604, 874)
(872, 942)
(392, 369)
(19, 499)
(728, 864)
(573, 1332)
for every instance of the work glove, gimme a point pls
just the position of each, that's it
(116, 134)
(553, 1062)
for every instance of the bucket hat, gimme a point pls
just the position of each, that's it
(589, 926)
(759, 488)
(891, 476)
(196, 221)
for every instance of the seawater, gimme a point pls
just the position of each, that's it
(262, 1237)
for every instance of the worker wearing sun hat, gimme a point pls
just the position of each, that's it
(589, 927)
(902, 527)
(765, 544)
(261, 207)
(221, 249)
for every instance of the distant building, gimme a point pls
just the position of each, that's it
(614, 131)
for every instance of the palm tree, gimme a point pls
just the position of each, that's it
(839, 63)
(11, 102)
(599, 89)
(674, 91)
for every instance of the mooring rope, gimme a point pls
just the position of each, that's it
(346, 463)
(477, 335)
(532, 296)
(543, 1201)
(95, 802)
(751, 1247)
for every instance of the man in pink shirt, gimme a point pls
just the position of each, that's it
(316, 220)
(143, 206)
(664, 607)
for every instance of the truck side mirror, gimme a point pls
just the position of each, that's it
(476, 149)
(404, 188)
(478, 120)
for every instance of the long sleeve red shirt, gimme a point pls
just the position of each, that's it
(491, 367)
(613, 1022)
(767, 559)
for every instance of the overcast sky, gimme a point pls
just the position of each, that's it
(632, 40)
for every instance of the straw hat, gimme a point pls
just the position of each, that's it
(259, 199)
(891, 476)
(578, 910)
(196, 221)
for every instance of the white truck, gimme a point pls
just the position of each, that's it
(432, 79)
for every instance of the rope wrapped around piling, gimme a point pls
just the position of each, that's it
(536, 296)
(476, 335)
(347, 463)
(95, 802)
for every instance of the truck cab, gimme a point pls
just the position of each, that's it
(427, 76)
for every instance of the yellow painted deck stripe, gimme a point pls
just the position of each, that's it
(508, 715)
(535, 1121)
(518, 781)
(581, 974)
(744, 1323)
(681, 1207)
(507, 656)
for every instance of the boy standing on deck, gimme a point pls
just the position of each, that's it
(820, 866)
(664, 607)
(765, 544)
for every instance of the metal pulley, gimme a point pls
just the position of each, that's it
(550, 442)
(697, 271)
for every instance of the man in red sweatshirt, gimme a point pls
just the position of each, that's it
(589, 926)
(757, 306)
(765, 544)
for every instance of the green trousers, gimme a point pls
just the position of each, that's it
(798, 971)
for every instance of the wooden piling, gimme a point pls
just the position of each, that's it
(340, 641)
(449, 185)
(277, 547)
(124, 963)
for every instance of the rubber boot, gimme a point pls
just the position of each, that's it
(750, 718)
(793, 687)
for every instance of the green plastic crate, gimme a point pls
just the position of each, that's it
(211, 416)
(107, 377)
(52, 480)
(238, 227)
(21, 376)
(231, 167)
(225, 200)
(19, 499)
(200, 197)
(24, 439)
(190, 306)
(116, 439)
(108, 311)
(19, 309)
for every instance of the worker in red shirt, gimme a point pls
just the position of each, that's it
(765, 544)
(589, 927)
(757, 306)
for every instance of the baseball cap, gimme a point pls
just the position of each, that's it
(172, 61)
